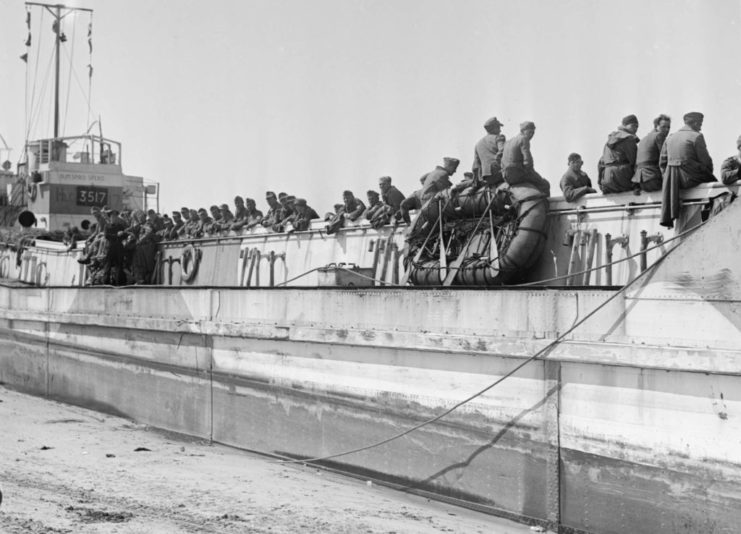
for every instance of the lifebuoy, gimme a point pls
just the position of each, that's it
(190, 257)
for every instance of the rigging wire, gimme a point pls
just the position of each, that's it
(23, 153)
(30, 109)
(36, 117)
(75, 73)
(70, 55)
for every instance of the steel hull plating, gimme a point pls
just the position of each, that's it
(602, 436)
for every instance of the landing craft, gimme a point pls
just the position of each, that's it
(600, 391)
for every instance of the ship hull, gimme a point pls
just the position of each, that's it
(600, 436)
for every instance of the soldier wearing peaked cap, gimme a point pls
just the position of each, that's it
(354, 207)
(487, 154)
(390, 195)
(249, 217)
(685, 163)
(517, 160)
(617, 164)
(271, 217)
(185, 212)
(377, 212)
(178, 224)
(729, 171)
(302, 215)
(254, 215)
(286, 212)
(374, 204)
(240, 215)
(575, 183)
(226, 216)
(438, 179)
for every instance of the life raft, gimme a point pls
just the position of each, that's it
(488, 252)
(190, 258)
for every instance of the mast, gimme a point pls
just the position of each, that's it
(57, 45)
(56, 12)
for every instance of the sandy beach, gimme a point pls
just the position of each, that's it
(65, 469)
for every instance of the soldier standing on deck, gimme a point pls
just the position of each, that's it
(618, 161)
(648, 173)
(113, 266)
(685, 163)
(517, 161)
(177, 224)
(487, 155)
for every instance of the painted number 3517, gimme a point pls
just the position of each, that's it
(87, 197)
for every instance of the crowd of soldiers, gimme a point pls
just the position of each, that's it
(658, 162)
(120, 248)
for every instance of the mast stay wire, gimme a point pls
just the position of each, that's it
(30, 108)
(36, 114)
(541, 354)
(70, 55)
(74, 72)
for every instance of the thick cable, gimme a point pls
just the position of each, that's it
(605, 266)
(299, 276)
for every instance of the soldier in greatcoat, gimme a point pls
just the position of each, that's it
(487, 155)
(618, 161)
(685, 163)
(648, 173)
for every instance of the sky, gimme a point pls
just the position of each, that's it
(214, 99)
